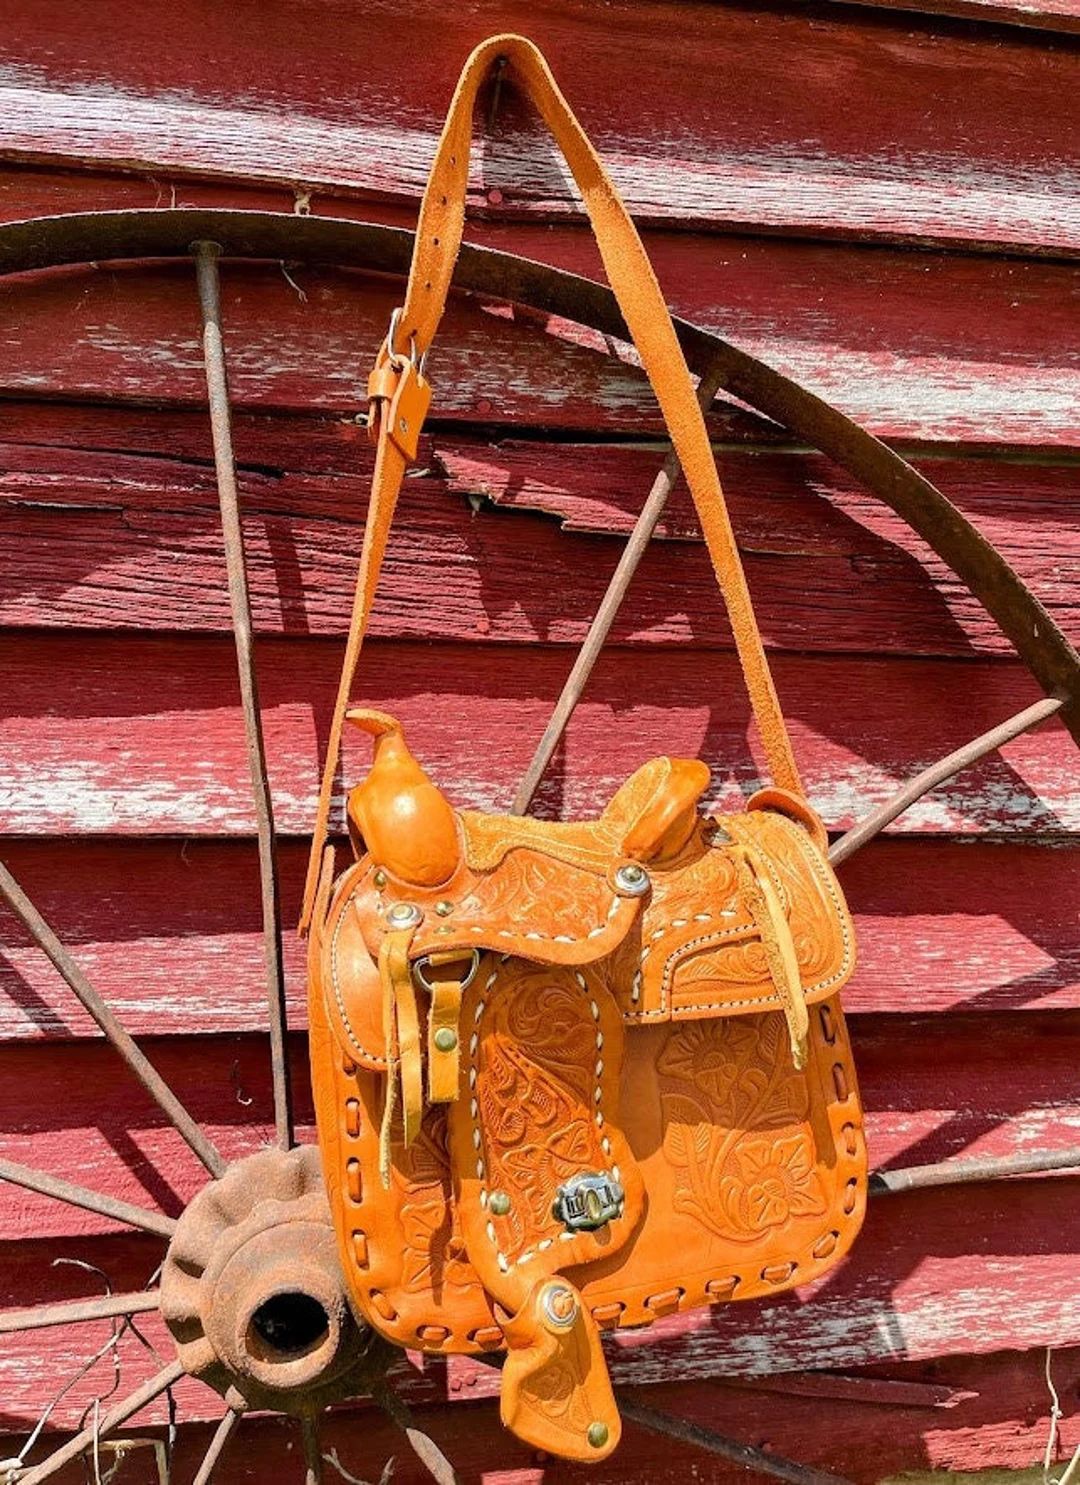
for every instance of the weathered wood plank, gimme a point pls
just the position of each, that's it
(1002, 1420)
(996, 1085)
(103, 541)
(900, 127)
(929, 1277)
(947, 928)
(989, 359)
(141, 735)
(1062, 16)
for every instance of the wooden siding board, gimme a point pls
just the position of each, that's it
(1004, 1417)
(74, 1111)
(898, 126)
(91, 749)
(114, 543)
(917, 1287)
(955, 928)
(918, 346)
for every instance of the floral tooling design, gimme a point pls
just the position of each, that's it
(736, 1127)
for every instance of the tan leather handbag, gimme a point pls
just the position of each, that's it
(574, 1076)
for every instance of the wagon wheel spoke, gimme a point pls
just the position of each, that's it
(422, 1444)
(939, 772)
(311, 1436)
(206, 269)
(104, 1426)
(610, 604)
(90, 1201)
(222, 1434)
(978, 1168)
(109, 1023)
(76, 1311)
(760, 1461)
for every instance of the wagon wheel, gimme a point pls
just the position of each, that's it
(274, 1331)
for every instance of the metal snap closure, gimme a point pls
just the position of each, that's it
(404, 915)
(445, 1039)
(597, 1435)
(560, 1306)
(499, 1203)
(588, 1202)
(632, 879)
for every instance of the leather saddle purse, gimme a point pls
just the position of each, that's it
(572, 1077)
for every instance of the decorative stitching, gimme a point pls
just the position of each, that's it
(824, 878)
(481, 1169)
(380, 1062)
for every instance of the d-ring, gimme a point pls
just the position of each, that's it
(421, 966)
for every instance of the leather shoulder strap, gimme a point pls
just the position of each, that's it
(438, 240)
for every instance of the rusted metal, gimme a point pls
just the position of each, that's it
(91, 1001)
(94, 236)
(977, 1168)
(252, 1290)
(222, 1434)
(206, 270)
(886, 1392)
(609, 607)
(760, 1461)
(90, 1201)
(105, 1425)
(422, 1444)
(937, 773)
(77, 1311)
(313, 1470)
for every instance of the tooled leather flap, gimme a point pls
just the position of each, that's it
(533, 904)
(697, 951)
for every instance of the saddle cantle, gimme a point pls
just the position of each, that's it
(564, 1087)
(572, 1077)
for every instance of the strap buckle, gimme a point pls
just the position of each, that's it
(398, 393)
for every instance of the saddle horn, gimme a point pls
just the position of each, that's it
(406, 824)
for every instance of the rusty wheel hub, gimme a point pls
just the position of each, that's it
(253, 1294)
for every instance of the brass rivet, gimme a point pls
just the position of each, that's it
(597, 1435)
(379, 878)
(444, 908)
(404, 426)
(499, 1203)
(445, 1039)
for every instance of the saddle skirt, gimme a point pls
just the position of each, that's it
(574, 1077)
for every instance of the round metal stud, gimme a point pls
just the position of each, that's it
(632, 879)
(597, 1435)
(379, 878)
(444, 908)
(445, 1039)
(404, 915)
(499, 1203)
(560, 1306)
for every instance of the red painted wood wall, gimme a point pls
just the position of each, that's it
(881, 201)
